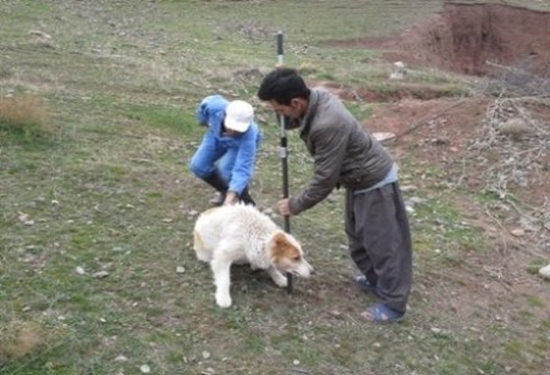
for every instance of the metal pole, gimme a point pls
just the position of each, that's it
(284, 152)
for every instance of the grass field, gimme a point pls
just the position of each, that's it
(97, 274)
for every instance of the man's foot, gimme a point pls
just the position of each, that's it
(382, 314)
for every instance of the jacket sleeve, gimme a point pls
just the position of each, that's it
(202, 111)
(243, 168)
(211, 109)
(330, 144)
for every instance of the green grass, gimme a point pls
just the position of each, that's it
(103, 185)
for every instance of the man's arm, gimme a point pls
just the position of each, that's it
(244, 165)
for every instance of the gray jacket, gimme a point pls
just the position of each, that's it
(344, 153)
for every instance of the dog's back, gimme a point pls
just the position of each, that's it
(242, 224)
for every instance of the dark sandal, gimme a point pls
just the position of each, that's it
(382, 314)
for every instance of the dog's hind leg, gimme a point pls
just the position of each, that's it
(200, 250)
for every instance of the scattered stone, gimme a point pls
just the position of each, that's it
(384, 137)
(100, 274)
(25, 219)
(398, 70)
(145, 369)
(295, 362)
(121, 358)
(205, 354)
(80, 271)
(39, 34)
(408, 188)
(167, 220)
(180, 269)
(519, 232)
(436, 330)
(377, 345)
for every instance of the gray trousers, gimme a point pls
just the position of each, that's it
(380, 242)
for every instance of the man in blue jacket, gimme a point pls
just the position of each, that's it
(225, 158)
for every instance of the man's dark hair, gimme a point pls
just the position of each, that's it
(283, 85)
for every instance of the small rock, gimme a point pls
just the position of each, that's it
(167, 220)
(180, 269)
(268, 211)
(100, 274)
(80, 271)
(121, 358)
(145, 369)
(39, 34)
(519, 232)
(205, 354)
(436, 330)
(295, 362)
(408, 188)
(377, 345)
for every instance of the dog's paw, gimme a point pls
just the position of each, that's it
(281, 281)
(223, 300)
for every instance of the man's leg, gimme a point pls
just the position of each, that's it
(357, 252)
(382, 224)
(203, 164)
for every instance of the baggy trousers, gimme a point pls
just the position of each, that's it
(380, 242)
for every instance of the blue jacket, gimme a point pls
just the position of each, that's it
(211, 112)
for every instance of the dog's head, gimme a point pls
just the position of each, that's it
(287, 255)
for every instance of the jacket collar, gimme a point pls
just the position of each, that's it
(313, 103)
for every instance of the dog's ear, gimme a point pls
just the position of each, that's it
(282, 248)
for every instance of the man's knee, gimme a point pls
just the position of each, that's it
(200, 170)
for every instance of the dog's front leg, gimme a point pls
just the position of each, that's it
(277, 277)
(221, 267)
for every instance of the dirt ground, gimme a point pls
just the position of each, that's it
(443, 133)
(477, 39)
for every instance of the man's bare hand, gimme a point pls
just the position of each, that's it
(284, 207)
(230, 199)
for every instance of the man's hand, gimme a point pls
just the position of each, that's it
(284, 207)
(230, 198)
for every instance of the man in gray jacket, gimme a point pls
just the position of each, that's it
(347, 155)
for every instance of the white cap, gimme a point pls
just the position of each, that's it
(238, 116)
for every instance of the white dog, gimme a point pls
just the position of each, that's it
(241, 234)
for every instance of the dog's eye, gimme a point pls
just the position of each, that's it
(296, 258)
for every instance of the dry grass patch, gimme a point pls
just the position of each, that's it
(23, 114)
(20, 339)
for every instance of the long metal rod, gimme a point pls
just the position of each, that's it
(284, 152)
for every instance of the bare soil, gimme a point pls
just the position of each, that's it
(472, 39)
